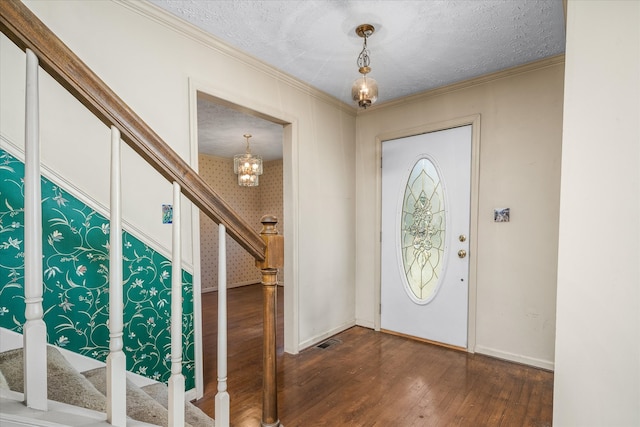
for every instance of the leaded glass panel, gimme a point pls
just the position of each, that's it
(423, 230)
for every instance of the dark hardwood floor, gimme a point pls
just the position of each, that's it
(368, 378)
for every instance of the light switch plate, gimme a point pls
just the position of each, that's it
(167, 214)
(501, 214)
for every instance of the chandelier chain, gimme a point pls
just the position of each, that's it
(363, 58)
(247, 136)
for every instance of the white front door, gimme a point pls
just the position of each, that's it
(426, 192)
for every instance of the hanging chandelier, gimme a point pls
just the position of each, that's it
(247, 166)
(365, 89)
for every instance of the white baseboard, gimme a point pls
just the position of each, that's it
(9, 340)
(518, 358)
(234, 285)
(365, 323)
(229, 286)
(190, 395)
(319, 338)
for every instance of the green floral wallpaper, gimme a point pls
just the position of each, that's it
(76, 274)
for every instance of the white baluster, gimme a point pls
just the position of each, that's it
(222, 397)
(34, 330)
(116, 360)
(176, 381)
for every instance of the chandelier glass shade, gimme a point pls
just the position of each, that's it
(247, 166)
(365, 89)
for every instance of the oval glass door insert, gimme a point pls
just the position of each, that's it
(423, 231)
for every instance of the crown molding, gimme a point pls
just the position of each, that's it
(465, 84)
(157, 14)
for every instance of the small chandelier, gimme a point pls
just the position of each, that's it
(365, 89)
(247, 166)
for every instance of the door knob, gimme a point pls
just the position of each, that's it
(462, 253)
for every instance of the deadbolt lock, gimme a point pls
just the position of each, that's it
(462, 237)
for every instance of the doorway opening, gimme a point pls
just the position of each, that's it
(220, 138)
(217, 129)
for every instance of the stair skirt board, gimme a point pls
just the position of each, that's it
(87, 390)
(14, 413)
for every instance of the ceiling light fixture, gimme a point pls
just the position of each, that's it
(247, 166)
(365, 89)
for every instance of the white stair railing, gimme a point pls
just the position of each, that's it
(222, 397)
(34, 330)
(176, 380)
(22, 27)
(116, 360)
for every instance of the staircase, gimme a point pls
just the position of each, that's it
(36, 394)
(147, 404)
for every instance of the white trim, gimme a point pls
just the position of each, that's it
(291, 209)
(290, 191)
(17, 152)
(366, 324)
(232, 285)
(176, 381)
(195, 241)
(16, 414)
(551, 61)
(221, 401)
(473, 232)
(116, 360)
(319, 338)
(236, 285)
(190, 395)
(474, 121)
(34, 328)
(518, 358)
(170, 21)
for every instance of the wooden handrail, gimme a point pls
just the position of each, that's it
(20, 25)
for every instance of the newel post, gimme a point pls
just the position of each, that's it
(273, 260)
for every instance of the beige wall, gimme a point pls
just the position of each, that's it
(152, 62)
(251, 203)
(597, 377)
(520, 142)
(329, 174)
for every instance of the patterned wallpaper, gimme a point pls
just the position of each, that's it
(76, 275)
(251, 203)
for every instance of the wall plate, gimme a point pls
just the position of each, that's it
(501, 214)
(167, 214)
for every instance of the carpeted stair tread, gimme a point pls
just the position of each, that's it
(192, 414)
(140, 406)
(64, 383)
(3, 382)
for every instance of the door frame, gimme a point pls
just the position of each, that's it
(290, 209)
(474, 121)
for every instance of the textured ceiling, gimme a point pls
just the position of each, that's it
(221, 130)
(417, 45)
